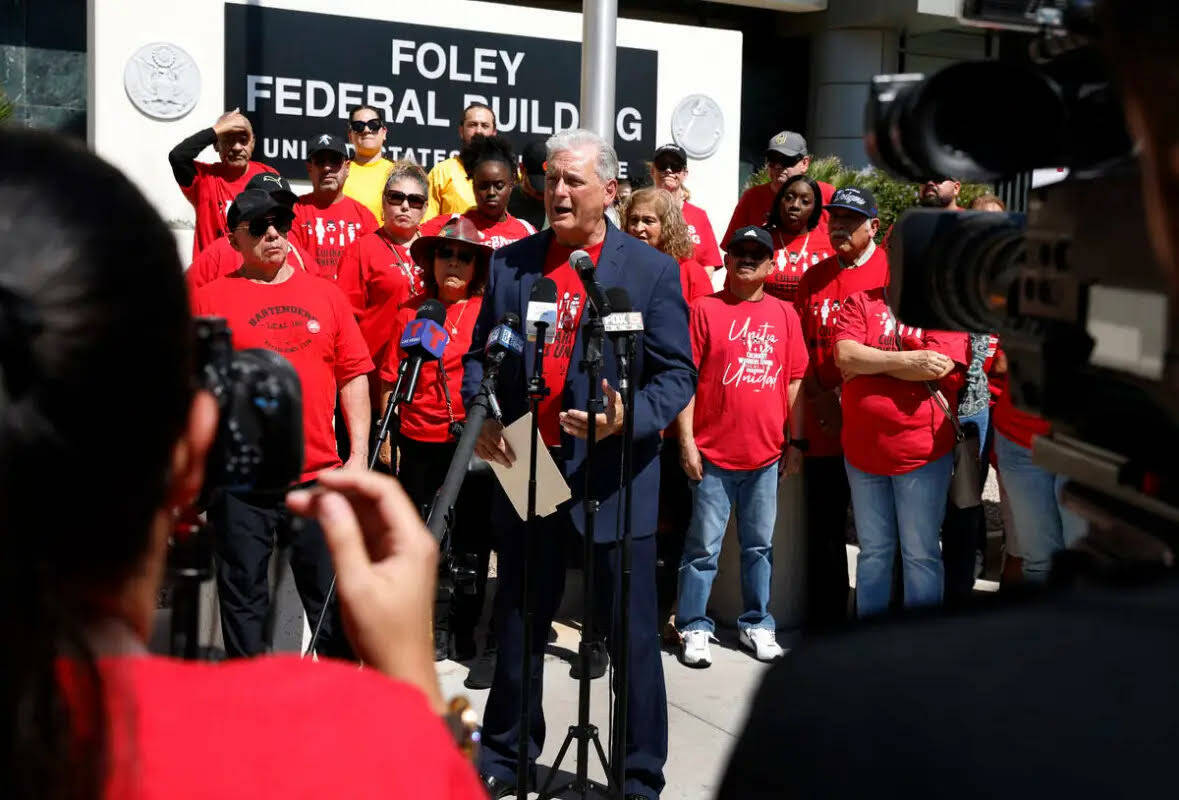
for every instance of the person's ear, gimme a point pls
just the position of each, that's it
(233, 240)
(611, 191)
(191, 451)
(874, 226)
(806, 163)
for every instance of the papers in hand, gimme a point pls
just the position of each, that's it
(551, 489)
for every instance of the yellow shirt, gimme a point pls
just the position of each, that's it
(450, 189)
(366, 184)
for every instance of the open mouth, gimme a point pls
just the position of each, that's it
(561, 210)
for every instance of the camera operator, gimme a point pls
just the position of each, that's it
(308, 321)
(1071, 696)
(95, 412)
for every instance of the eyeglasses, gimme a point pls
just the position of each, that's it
(259, 225)
(783, 161)
(359, 126)
(416, 201)
(461, 255)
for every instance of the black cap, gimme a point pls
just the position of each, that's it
(854, 198)
(533, 158)
(255, 203)
(673, 150)
(751, 233)
(325, 141)
(274, 185)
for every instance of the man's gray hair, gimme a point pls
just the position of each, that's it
(606, 164)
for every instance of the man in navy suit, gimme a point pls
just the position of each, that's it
(580, 184)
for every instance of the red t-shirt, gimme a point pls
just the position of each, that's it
(818, 296)
(704, 240)
(557, 356)
(754, 208)
(426, 419)
(220, 259)
(792, 258)
(747, 353)
(378, 277)
(324, 231)
(211, 195)
(496, 233)
(306, 320)
(694, 280)
(892, 426)
(243, 728)
(1018, 426)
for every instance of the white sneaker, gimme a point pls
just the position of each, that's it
(763, 642)
(696, 652)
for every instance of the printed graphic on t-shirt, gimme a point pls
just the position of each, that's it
(756, 368)
(331, 236)
(695, 237)
(568, 313)
(286, 329)
(826, 312)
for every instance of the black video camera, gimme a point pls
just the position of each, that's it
(1085, 313)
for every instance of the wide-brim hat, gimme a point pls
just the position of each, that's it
(456, 229)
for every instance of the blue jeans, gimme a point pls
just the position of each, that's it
(1044, 525)
(907, 508)
(755, 494)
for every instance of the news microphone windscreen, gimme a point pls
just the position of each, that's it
(432, 310)
(581, 262)
(618, 298)
(511, 319)
(424, 337)
(542, 307)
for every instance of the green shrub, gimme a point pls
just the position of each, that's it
(5, 106)
(892, 196)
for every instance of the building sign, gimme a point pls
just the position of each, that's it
(296, 74)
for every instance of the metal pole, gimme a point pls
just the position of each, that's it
(599, 24)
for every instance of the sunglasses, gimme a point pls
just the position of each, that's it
(259, 225)
(359, 126)
(416, 201)
(446, 252)
(327, 160)
(749, 253)
(670, 166)
(783, 161)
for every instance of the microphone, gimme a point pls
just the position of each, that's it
(504, 339)
(583, 265)
(621, 326)
(424, 340)
(542, 310)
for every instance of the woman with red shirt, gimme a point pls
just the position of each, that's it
(897, 445)
(456, 262)
(377, 271)
(652, 216)
(490, 162)
(669, 168)
(800, 241)
(87, 710)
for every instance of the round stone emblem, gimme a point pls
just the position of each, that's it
(697, 125)
(162, 80)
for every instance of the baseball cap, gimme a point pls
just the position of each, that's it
(255, 203)
(325, 141)
(751, 233)
(672, 150)
(274, 185)
(854, 198)
(787, 143)
(533, 158)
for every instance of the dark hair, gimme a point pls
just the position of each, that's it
(467, 110)
(364, 107)
(478, 277)
(487, 148)
(95, 387)
(775, 221)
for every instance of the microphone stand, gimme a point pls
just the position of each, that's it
(585, 731)
(536, 392)
(626, 359)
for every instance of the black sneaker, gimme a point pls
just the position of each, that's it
(483, 670)
(598, 662)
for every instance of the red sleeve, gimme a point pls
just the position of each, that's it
(851, 324)
(433, 226)
(698, 329)
(799, 357)
(202, 270)
(393, 351)
(298, 234)
(949, 343)
(352, 356)
(707, 253)
(738, 218)
(350, 280)
(301, 259)
(192, 192)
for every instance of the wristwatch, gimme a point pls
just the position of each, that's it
(801, 445)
